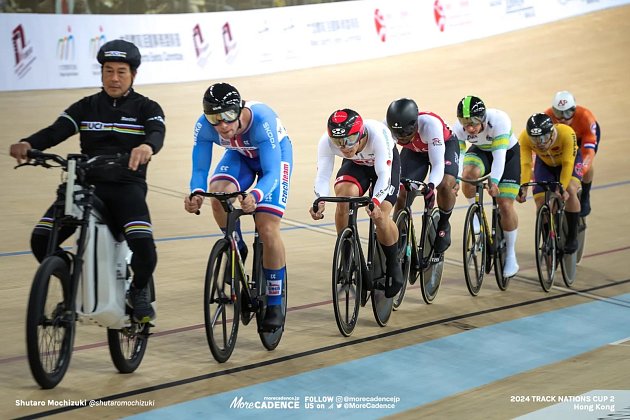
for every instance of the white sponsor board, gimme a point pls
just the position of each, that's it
(42, 51)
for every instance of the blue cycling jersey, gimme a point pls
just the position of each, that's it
(264, 144)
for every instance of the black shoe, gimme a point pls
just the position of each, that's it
(273, 318)
(139, 300)
(571, 246)
(442, 240)
(393, 281)
(585, 208)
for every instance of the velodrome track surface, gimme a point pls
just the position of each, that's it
(461, 357)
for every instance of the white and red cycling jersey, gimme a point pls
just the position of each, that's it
(431, 136)
(378, 152)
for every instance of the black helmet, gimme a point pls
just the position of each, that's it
(345, 127)
(121, 51)
(221, 97)
(539, 124)
(540, 128)
(402, 117)
(471, 109)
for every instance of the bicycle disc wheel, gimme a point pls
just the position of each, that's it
(221, 308)
(500, 252)
(568, 262)
(431, 273)
(128, 345)
(270, 340)
(346, 282)
(381, 306)
(545, 243)
(50, 323)
(404, 252)
(581, 238)
(474, 250)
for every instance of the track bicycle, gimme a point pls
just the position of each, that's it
(355, 278)
(92, 287)
(550, 237)
(485, 247)
(230, 294)
(417, 254)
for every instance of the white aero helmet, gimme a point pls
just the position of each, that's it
(563, 105)
(563, 101)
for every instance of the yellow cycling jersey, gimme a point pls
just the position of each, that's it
(561, 153)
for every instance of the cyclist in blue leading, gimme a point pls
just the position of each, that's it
(494, 150)
(370, 159)
(259, 154)
(115, 120)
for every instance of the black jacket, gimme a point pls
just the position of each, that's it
(108, 126)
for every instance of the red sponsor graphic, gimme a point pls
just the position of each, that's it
(379, 23)
(438, 13)
(389, 163)
(197, 39)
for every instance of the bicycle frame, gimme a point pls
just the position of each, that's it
(551, 198)
(416, 189)
(249, 300)
(99, 261)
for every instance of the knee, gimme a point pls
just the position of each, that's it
(506, 205)
(447, 184)
(268, 231)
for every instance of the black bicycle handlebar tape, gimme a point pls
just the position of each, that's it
(542, 184)
(228, 195)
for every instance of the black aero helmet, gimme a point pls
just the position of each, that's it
(540, 128)
(345, 127)
(221, 97)
(471, 109)
(121, 51)
(402, 117)
(539, 124)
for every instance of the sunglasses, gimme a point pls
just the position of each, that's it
(564, 115)
(346, 142)
(469, 122)
(227, 117)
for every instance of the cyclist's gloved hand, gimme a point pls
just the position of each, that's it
(429, 195)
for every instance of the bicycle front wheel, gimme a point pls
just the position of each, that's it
(545, 242)
(346, 282)
(431, 272)
(474, 249)
(500, 253)
(402, 219)
(50, 323)
(221, 307)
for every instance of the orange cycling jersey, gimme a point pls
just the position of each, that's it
(585, 126)
(561, 153)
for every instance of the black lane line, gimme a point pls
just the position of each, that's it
(325, 349)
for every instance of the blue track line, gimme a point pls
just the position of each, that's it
(427, 372)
